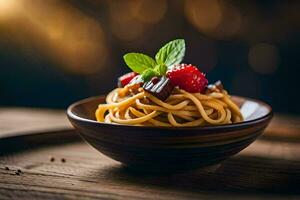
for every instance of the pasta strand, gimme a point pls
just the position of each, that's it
(181, 109)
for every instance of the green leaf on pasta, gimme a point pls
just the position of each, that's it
(139, 62)
(171, 53)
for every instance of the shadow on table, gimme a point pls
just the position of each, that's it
(241, 174)
(26, 142)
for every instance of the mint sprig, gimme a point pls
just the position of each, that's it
(170, 54)
(148, 74)
(139, 62)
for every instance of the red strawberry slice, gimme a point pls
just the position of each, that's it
(126, 78)
(188, 78)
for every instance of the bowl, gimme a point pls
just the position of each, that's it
(168, 148)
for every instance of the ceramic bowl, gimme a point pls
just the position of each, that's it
(169, 149)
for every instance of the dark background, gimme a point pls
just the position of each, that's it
(55, 52)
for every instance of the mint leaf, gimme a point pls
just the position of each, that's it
(171, 53)
(139, 62)
(161, 69)
(148, 74)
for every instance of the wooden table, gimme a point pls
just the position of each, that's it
(56, 164)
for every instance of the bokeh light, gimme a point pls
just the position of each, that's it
(8, 8)
(68, 37)
(80, 43)
(130, 19)
(264, 58)
(204, 15)
(214, 18)
(231, 23)
(150, 11)
(127, 30)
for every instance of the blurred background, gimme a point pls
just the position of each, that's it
(54, 52)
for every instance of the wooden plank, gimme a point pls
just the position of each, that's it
(268, 169)
(25, 121)
(284, 128)
(89, 174)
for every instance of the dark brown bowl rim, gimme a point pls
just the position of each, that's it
(265, 117)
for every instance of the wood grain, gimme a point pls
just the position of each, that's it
(284, 128)
(87, 174)
(25, 121)
(268, 169)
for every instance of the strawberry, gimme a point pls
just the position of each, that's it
(188, 78)
(126, 78)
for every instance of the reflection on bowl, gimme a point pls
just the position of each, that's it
(169, 149)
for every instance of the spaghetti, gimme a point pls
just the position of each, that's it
(162, 91)
(180, 109)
